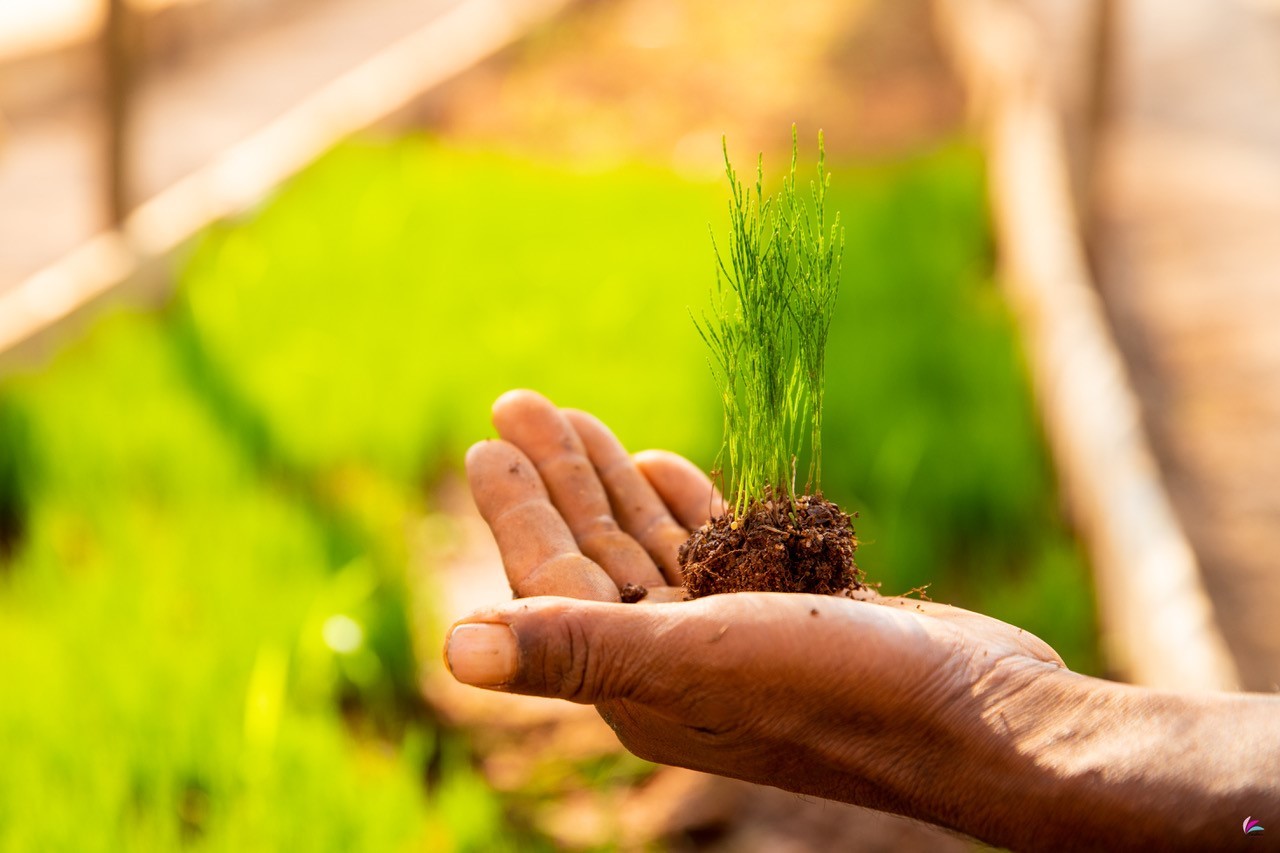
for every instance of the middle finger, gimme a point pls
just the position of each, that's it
(636, 504)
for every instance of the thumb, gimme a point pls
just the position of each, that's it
(583, 651)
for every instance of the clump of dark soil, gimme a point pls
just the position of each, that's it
(633, 592)
(776, 546)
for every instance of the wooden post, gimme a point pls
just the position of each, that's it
(1102, 64)
(118, 68)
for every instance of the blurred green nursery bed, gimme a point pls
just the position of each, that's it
(205, 633)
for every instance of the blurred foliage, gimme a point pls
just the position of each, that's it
(161, 635)
(203, 621)
(375, 313)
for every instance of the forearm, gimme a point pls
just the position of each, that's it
(1081, 762)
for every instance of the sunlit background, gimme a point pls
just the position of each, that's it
(232, 524)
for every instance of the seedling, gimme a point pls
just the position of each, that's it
(775, 295)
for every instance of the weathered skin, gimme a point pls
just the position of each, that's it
(912, 707)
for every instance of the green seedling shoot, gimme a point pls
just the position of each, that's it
(774, 297)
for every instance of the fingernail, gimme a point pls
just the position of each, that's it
(481, 654)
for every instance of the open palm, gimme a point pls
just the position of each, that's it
(841, 697)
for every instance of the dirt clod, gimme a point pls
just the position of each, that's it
(776, 546)
(633, 592)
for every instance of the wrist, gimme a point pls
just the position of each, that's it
(1017, 759)
(1005, 784)
(1079, 762)
(1037, 725)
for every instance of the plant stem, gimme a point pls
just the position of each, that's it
(767, 331)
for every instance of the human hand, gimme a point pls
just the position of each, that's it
(886, 702)
(573, 513)
(907, 706)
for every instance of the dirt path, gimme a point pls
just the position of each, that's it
(1187, 241)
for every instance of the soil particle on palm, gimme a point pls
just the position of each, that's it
(633, 592)
(775, 547)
